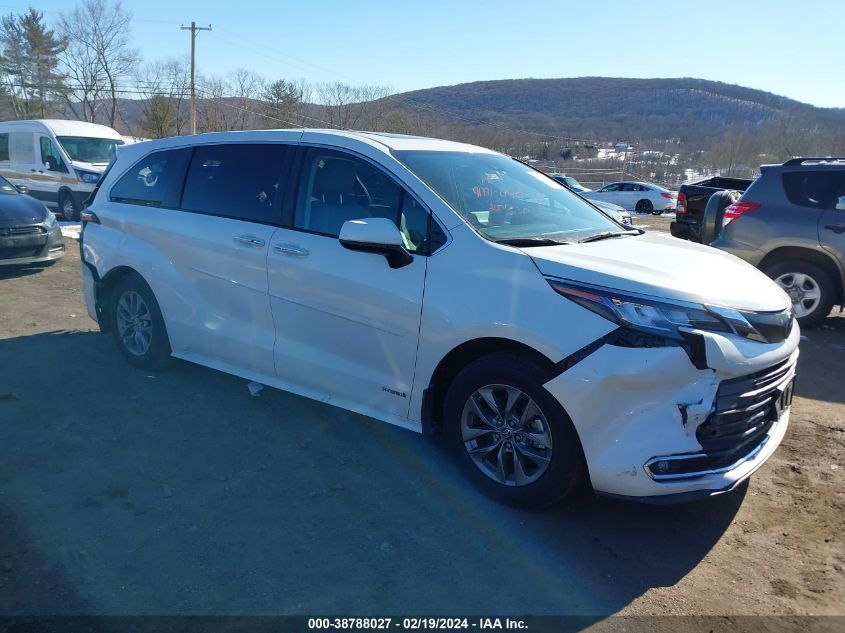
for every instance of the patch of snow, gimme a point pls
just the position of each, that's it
(70, 229)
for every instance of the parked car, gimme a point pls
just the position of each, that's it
(790, 223)
(641, 197)
(29, 233)
(446, 288)
(570, 182)
(693, 198)
(613, 210)
(58, 161)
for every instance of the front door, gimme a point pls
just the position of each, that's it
(610, 193)
(346, 322)
(47, 176)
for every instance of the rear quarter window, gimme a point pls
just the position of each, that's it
(814, 189)
(154, 181)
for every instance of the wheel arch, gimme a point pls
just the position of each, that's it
(103, 293)
(434, 396)
(812, 256)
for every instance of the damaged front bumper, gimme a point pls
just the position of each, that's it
(656, 428)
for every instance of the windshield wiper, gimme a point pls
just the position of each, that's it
(530, 241)
(604, 236)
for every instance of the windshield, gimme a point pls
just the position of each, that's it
(87, 149)
(504, 199)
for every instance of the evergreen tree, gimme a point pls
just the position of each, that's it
(28, 63)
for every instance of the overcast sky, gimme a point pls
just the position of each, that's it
(792, 48)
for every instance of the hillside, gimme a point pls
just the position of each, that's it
(691, 110)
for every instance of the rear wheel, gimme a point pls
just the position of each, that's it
(809, 288)
(510, 435)
(137, 325)
(68, 207)
(645, 206)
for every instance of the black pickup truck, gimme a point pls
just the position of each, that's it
(692, 200)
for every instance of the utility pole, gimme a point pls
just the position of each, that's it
(194, 29)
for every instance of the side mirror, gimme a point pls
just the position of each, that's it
(22, 188)
(376, 235)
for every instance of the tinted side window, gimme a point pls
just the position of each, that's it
(4, 147)
(810, 188)
(154, 181)
(337, 187)
(50, 156)
(236, 181)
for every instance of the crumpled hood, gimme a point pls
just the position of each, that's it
(20, 210)
(663, 266)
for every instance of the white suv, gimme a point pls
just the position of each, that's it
(446, 288)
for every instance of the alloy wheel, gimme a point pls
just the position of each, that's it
(134, 323)
(506, 435)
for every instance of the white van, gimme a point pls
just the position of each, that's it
(444, 287)
(60, 161)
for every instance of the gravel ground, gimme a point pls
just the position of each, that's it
(123, 492)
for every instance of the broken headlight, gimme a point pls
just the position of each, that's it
(662, 317)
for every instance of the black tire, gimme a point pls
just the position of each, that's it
(68, 207)
(644, 206)
(157, 354)
(566, 466)
(714, 212)
(818, 277)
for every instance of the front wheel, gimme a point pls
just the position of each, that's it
(809, 288)
(644, 206)
(137, 325)
(510, 435)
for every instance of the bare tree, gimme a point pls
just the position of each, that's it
(98, 31)
(245, 89)
(353, 107)
(231, 103)
(164, 86)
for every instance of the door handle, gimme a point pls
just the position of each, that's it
(290, 249)
(249, 240)
(836, 228)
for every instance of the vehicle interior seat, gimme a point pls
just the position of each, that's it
(335, 198)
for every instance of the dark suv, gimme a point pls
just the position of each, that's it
(790, 223)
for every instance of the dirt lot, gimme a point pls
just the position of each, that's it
(123, 492)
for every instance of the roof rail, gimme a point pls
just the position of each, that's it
(822, 159)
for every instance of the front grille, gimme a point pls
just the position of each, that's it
(22, 230)
(744, 410)
(15, 252)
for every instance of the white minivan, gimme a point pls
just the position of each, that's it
(59, 161)
(447, 289)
